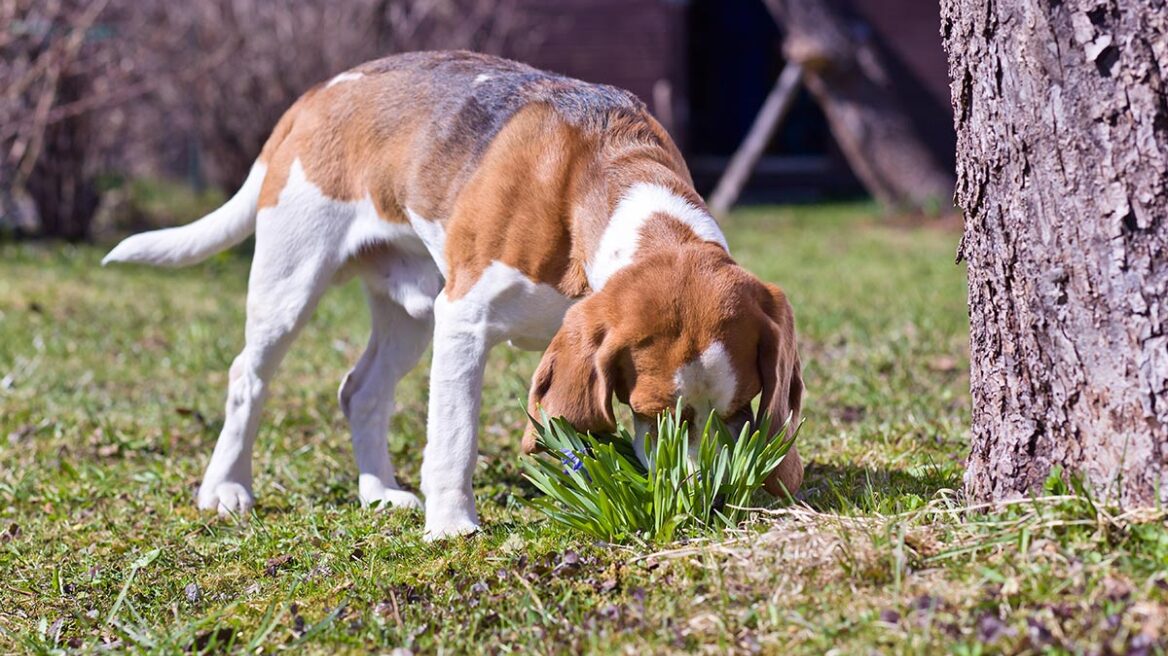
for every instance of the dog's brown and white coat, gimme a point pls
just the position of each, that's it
(481, 200)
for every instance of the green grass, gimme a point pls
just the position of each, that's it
(111, 393)
(597, 484)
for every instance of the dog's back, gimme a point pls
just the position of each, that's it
(415, 126)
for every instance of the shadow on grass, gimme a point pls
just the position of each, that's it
(843, 489)
(849, 489)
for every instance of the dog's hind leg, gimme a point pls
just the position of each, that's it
(366, 395)
(295, 260)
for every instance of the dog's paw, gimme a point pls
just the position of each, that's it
(393, 499)
(443, 530)
(450, 515)
(226, 498)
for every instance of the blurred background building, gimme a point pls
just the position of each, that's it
(714, 61)
(96, 93)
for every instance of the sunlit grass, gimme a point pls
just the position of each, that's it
(112, 386)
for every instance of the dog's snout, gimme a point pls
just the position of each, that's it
(737, 421)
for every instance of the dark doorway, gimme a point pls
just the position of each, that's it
(734, 60)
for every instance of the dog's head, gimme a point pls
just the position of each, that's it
(688, 324)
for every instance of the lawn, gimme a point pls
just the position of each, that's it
(111, 395)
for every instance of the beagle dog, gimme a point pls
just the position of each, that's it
(480, 200)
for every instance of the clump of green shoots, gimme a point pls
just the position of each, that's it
(596, 483)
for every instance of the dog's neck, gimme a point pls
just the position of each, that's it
(648, 217)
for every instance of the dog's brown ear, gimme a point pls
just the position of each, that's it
(782, 385)
(575, 378)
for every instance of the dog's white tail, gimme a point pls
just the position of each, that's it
(195, 242)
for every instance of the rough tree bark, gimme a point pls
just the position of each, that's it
(1062, 124)
(845, 73)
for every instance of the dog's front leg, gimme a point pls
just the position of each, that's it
(462, 338)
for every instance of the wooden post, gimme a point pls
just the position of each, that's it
(769, 118)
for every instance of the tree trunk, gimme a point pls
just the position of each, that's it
(845, 73)
(1062, 124)
(61, 184)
